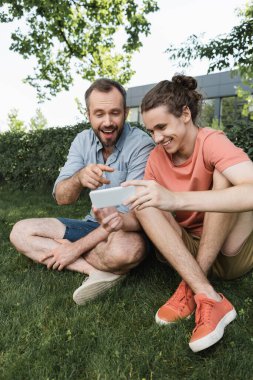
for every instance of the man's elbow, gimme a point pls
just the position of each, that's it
(60, 195)
(63, 199)
(60, 198)
(65, 195)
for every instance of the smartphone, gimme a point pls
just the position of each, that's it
(114, 196)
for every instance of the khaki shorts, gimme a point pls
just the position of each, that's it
(226, 267)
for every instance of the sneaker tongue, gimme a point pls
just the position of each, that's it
(199, 297)
(204, 306)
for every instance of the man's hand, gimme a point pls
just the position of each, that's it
(150, 194)
(61, 256)
(92, 176)
(109, 218)
(68, 190)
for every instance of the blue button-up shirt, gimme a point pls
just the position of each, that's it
(128, 158)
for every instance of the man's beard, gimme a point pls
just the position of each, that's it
(109, 143)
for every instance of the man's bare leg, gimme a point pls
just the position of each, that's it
(213, 311)
(114, 258)
(105, 263)
(35, 237)
(119, 253)
(222, 232)
(162, 232)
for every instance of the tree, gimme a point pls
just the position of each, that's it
(77, 36)
(82, 111)
(233, 50)
(207, 113)
(14, 123)
(38, 121)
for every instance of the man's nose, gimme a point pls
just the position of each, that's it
(158, 137)
(107, 120)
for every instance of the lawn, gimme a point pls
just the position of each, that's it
(44, 335)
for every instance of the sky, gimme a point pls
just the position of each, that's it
(172, 24)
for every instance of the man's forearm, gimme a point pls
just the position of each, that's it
(68, 190)
(90, 241)
(233, 199)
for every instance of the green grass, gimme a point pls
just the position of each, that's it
(45, 335)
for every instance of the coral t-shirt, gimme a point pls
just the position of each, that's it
(213, 150)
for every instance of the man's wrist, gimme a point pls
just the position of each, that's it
(104, 233)
(76, 181)
(185, 201)
(179, 202)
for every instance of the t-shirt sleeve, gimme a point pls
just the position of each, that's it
(149, 174)
(75, 160)
(220, 153)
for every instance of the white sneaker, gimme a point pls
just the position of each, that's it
(97, 283)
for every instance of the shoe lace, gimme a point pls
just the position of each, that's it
(180, 295)
(203, 312)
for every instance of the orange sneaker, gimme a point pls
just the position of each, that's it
(211, 319)
(180, 305)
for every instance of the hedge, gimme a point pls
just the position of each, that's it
(242, 137)
(33, 159)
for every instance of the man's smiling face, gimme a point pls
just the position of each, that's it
(107, 115)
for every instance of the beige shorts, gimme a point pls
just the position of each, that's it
(226, 267)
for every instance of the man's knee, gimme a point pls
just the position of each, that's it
(16, 232)
(125, 251)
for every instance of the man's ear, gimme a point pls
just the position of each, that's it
(186, 114)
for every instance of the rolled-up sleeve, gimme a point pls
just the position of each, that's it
(75, 160)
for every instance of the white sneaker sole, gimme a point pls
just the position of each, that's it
(87, 292)
(215, 335)
(161, 322)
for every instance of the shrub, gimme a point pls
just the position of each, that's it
(242, 137)
(33, 159)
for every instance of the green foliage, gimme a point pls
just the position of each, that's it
(38, 121)
(233, 113)
(230, 50)
(242, 137)
(33, 159)
(207, 113)
(14, 123)
(81, 109)
(239, 129)
(248, 102)
(233, 50)
(78, 36)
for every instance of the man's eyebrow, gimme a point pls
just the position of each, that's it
(157, 126)
(97, 109)
(102, 110)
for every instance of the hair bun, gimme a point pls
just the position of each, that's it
(182, 80)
